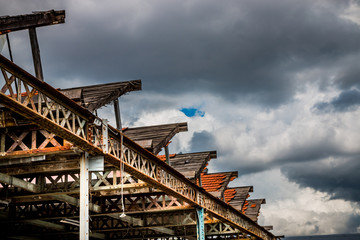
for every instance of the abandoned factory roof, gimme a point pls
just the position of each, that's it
(55, 154)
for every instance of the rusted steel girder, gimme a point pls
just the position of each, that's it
(36, 19)
(59, 115)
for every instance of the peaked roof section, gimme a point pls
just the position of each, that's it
(216, 183)
(95, 96)
(191, 165)
(252, 210)
(236, 196)
(155, 137)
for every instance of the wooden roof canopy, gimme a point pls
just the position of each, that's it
(216, 183)
(96, 96)
(154, 138)
(191, 165)
(253, 208)
(237, 196)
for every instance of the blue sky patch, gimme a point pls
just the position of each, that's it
(191, 112)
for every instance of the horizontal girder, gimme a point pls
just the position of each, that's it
(37, 19)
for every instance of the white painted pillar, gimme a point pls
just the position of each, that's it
(84, 196)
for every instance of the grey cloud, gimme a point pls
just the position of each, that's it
(347, 100)
(340, 179)
(201, 139)
(229, 162)
(297, 153)
(238, 49)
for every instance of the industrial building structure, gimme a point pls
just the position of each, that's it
(65, 173)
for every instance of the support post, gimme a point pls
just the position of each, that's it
(167, 154)
(200, 180)
(9, 47)
(36, 53)
(117, 114)
(84, 196)
(200, 224)
(105, 136)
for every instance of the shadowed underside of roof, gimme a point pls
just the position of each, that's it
(156, 137)
(95, 96)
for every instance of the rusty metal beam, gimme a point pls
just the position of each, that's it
(19, 183)
(35, 188)
(37, 19)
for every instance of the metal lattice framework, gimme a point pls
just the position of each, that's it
(55, 113)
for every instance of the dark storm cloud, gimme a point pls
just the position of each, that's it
(339, 178)
(237, 49)
(201, 139)
(346, 101)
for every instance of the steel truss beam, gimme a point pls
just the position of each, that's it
(51, 184)
(59, 115)
(148, 226)
(60, 206)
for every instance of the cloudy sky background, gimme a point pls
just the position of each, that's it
(275, 84)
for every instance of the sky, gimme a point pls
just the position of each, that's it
(271, 85)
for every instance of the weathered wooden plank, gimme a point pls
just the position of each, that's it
(37, 19)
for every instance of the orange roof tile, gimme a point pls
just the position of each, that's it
(212, 182)
(229, 195)
(245, 206)
(163, 157)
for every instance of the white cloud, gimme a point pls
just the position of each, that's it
(352, 13)
(293, 210)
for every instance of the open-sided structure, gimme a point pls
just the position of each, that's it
(65, 173)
